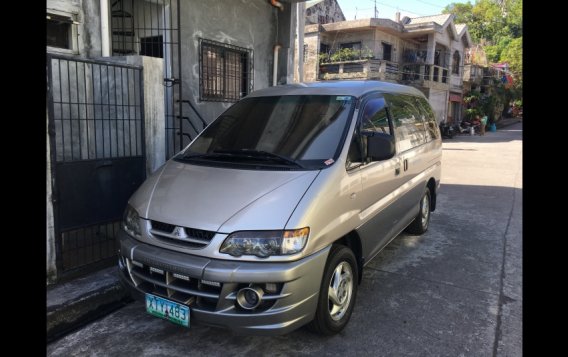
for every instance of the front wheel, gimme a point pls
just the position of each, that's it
(422, 219)
(337, 293)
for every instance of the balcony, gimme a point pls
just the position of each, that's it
(472, 73)
(425, 75)
(360, 69)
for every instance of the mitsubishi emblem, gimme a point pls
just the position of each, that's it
(179, 232)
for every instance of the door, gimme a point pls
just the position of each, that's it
(379, 180)
(410, 137)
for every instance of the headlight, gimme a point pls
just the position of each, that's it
(265, 243)
(131, 222)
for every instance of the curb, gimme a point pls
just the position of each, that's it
(73, 304)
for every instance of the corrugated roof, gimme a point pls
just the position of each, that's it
(439, 19)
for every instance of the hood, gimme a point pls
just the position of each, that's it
(221, 199)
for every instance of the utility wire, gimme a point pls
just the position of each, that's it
(427, 3)
(397, 8)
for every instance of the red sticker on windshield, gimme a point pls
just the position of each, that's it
(329, 162)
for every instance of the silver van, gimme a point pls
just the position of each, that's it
(264, 222)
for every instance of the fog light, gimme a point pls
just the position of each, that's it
(249, 298)
(211, 283)
(156, 270)
(182, 277)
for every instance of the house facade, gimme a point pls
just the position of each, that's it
(132, 82)
(425, 52)
(323, 12)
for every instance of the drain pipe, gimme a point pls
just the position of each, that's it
(275, 67)
(104, 29)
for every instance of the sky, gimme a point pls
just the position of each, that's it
(387, 8)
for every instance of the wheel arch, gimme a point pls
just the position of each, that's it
(352, 241)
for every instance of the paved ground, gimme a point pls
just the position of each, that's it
(455, 291)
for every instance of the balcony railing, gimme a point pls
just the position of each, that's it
(427, 75)
(360, 69)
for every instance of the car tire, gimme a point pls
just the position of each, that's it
(422, 220)
(338, 292)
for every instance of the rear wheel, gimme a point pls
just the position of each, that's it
(422, 219)
(338, 292)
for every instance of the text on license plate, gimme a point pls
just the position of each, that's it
(166, 309)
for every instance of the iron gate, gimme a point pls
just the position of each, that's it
(96, 128)
(152, 28)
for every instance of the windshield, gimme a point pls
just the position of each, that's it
(294, 132)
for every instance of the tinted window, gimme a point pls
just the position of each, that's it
(375, 117)
(409, 129)
(306, 128)
(429, 118)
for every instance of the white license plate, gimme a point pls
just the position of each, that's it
(168, 310)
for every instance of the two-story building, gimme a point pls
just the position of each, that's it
(426, 52)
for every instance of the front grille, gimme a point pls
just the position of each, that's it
(161, 226)
(174, 286)
(183, 236)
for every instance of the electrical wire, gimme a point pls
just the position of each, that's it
(427, 3)
(398, 8)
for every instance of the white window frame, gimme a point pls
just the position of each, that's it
(74, 45)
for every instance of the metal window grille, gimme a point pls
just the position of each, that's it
(225, 71)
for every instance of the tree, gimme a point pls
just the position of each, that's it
(497, 25)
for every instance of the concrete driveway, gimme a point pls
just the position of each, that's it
(455, 291)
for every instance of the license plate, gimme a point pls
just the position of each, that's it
(168, 310)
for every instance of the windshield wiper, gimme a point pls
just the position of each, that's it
(260, 154)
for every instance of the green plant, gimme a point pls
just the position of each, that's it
(472, 113)
(324, 58)
(345, 54)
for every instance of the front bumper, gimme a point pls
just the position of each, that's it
(148, 269)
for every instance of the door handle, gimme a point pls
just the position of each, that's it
(405, 164)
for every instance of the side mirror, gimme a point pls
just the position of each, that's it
(380, 146)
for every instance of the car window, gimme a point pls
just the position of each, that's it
(375, 117)
(429, 118)
(308, 129)
(409, 128)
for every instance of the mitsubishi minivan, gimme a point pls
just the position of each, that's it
(265, 221)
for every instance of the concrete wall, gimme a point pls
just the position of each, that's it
(330, 9)
(397, 45)
(311, 64)
(87, 34)
(250, 24)
(154, 110)
(51, 270)
(335, 39)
